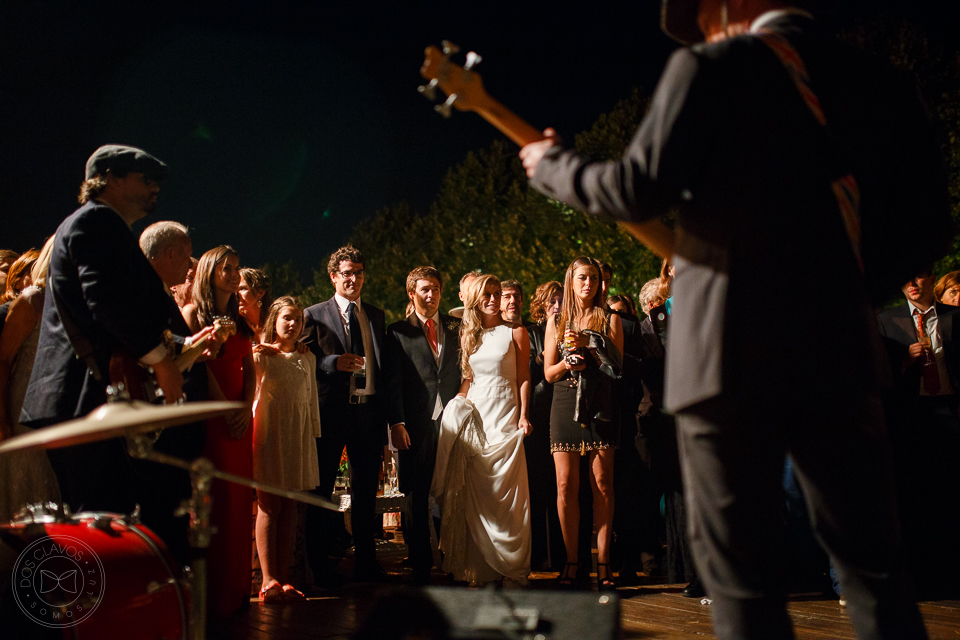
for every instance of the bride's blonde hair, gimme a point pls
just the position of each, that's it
(472, 325)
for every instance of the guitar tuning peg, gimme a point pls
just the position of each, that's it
(449, 48)
(444, 109)
(428, 91)
(473, 59)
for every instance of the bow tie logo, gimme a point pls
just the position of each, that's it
(50, 581)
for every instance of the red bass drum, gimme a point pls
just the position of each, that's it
(90, 576)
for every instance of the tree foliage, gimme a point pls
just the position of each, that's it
(486, 217)
(937, 71)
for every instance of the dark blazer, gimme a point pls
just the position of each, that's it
(414, 378)
(114, 297)
(323, 333)
(187, 441)
(729, 144)
(899, 330)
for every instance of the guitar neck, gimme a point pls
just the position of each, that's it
(654, 234)
(189, 355)
(509, 123)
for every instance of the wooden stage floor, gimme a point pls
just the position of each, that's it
(650, 611)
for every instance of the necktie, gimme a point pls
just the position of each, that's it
(432, 336)
(356, 341)
(928, 367)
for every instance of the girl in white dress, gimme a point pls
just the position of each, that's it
(480, 477)
(286, 424)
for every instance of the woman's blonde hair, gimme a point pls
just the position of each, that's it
(269, 333)
(472, 325)
(570, 312)
(39, 271)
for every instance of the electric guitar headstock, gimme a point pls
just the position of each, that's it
(464, 90)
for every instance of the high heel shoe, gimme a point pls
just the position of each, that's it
(568, 579)
(605, 581)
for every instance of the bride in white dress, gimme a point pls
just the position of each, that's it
(480, 478)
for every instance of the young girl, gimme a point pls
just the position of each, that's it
(286, 424)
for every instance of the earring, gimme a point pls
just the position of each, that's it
(259, 304)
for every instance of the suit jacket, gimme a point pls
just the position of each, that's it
(115, 298)
(186, 441)
(323, 332)
(730, 144)
(899, 330)
(415, 378)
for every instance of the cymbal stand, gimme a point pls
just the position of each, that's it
(198, 507)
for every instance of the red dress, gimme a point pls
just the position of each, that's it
(230, 552)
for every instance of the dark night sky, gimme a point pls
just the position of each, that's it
(286, 122)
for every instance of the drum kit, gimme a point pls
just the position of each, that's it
(59, 576)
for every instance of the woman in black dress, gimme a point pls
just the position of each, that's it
(581, 337)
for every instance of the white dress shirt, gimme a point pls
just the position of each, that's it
(344, 305)
(438, 405)
(936, 345)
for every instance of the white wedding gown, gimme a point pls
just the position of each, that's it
(480, 479)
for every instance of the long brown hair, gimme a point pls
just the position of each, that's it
(541, 300)
(570, 312)
(257, 280)
(19, 270)
(472, 325)
(269, 331)
(204, 295)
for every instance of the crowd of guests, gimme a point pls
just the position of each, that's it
(531, 435)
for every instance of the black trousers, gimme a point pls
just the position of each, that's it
(360, 429)
(416, 475)
(733, 451)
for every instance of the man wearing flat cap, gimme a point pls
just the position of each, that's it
(772, 141)
(103, 297)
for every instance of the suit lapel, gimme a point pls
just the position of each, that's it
(451, 340)
(331, 318)
(904, 321)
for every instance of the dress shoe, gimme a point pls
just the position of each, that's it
(694, 590)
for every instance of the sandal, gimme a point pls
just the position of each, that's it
(568, 579)
(605, 582)
(272, 594)
(292, 594)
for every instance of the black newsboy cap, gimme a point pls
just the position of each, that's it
(120, 160)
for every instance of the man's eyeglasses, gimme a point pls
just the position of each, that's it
(346, 275)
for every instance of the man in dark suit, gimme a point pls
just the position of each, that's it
(422, 367)
(103, 297)
(735, 142)
(346, 336)
(925, 433)
(168, 248)
(636, 512)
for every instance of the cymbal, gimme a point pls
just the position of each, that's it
(117, 419)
